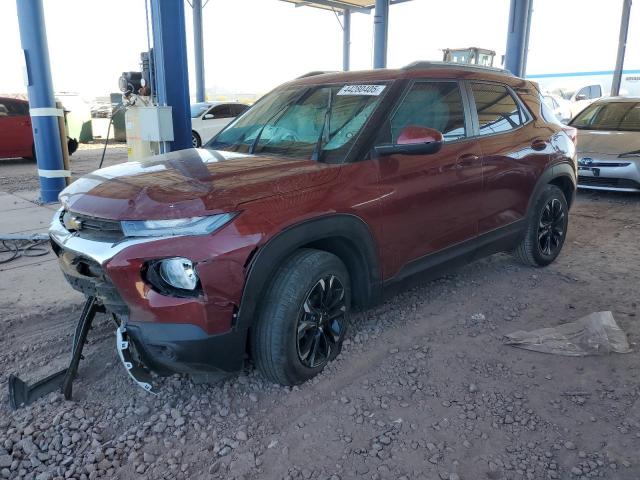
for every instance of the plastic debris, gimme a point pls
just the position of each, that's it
(595, 334)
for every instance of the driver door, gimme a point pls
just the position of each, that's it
(431, 201)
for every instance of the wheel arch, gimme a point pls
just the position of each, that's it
(561, 175)
(344, 235)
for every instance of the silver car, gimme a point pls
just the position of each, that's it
(609, 145)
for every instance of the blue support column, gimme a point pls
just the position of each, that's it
(518, 36)
(346, 40)
(622, 45)
(42, 104)
(172, 75)
(198, 50)
(380, 34)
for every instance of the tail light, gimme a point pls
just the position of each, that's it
(572, 133)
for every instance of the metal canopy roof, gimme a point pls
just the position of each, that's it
(354, 5)
(362, 6)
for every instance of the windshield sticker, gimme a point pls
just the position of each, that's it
(372, 90)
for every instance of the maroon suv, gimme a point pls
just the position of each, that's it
(327, 191)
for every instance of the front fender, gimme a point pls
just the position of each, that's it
(272, 254)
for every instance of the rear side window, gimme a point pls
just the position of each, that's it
(435, 105)
(497, 110)
(221, 111)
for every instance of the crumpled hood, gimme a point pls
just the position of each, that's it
(189, 183)
(614, 143)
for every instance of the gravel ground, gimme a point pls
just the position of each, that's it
(424, 387)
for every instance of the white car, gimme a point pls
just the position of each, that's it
(561, 107)
(208, 118)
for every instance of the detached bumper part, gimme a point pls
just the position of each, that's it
(136, 371)
(21, 394)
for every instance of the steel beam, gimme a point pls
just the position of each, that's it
(198, 50)
(346, 40)
(334, 5)
(622, 46)
(518, 36)
(172, 75)
(380, 34)
(42, 103)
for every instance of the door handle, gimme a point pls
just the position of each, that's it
(467, 160)
(539, 144)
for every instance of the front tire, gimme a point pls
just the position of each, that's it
(196, 141)
(546, 229)
(303, 319)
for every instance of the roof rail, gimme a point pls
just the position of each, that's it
(421, 65)
(316, 72)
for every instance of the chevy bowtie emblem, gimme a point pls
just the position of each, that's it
(73, 223)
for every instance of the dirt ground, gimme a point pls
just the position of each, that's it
(17, 174)
(424, 387)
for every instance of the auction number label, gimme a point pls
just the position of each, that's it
(372, 90)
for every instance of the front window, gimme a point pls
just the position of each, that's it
(319, 122)
(430, 104)
(622, 116)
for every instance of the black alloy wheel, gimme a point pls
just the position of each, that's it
(321, 322)
(551, 227)
(303, 317)
(546, 228)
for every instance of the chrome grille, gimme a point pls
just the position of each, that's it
(92, 227)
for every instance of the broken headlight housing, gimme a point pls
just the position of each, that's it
(176, 277)
(175, 227)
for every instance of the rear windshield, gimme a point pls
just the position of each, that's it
(621, 116)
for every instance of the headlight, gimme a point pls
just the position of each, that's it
(179, 273)
(174, 277)
(175, 227)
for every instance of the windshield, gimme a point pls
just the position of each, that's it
(319, 122)
(623, 116)
(198, 109)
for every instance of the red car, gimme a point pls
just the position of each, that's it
(16, 134)
(16, 137)
(326, 192)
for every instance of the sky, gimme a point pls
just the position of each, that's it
(251, 46)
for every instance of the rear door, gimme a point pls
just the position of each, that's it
(515, 150)
(431, 202)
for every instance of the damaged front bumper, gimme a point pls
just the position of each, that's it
(169, 334)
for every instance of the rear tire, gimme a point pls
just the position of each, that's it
(303, 319)
(196, 141)
(546, 229)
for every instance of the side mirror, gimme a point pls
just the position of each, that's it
(413, 140)
(580, 97)
(208, 116)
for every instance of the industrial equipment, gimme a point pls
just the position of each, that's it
(471, 56)
(147, 124)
